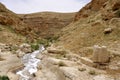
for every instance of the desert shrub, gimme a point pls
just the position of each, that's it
(61, 63)
(35, 46)
(92, 72)
(44, 42)
(1, 29)
(4, 78)
(81, 69)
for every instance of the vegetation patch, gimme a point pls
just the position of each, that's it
(1, 29)
(46, 42)
(81, 69)
(35, 46)
(92, 72)
(4, 78)
(61, 63)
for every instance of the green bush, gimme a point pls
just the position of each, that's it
(35, 46)
(44, 42)
(4, 78)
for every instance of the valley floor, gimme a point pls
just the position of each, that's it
(57, 64)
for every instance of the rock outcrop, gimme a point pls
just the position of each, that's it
(92, 7)
(13, 23)
(100, 54)
(47, 24)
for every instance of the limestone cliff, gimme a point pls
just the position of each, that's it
(46, 24)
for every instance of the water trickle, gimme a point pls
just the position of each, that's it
(30, 62)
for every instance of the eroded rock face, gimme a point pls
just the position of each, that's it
(100, 54)
(47, 23)
(4, 47)
(14, 22)
(86, 11)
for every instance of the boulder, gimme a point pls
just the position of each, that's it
(25, 48)
(88, 62)
(49, 71)
(56, 51)
(108, 30)
(20, 53)
(4, 47)
(100, 54)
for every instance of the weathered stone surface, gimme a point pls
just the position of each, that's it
(103, 77)
(88, 62)
(49, 71)
(25, 48)
(10, 62)
(12, 76)
(100, 54)
(4, 47)
(108, 30)
(86, 11)
(20, 53)
(56, 51)
(72, 73)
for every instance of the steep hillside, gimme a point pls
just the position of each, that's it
(10, 24)
(9, 18)
(98, 23)
(33, 26)
(46, 24)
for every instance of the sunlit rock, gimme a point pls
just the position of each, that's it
(25, 48)
(108, 30)
(100, 54)
(20, 53)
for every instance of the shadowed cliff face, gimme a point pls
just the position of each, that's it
(46, 24)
